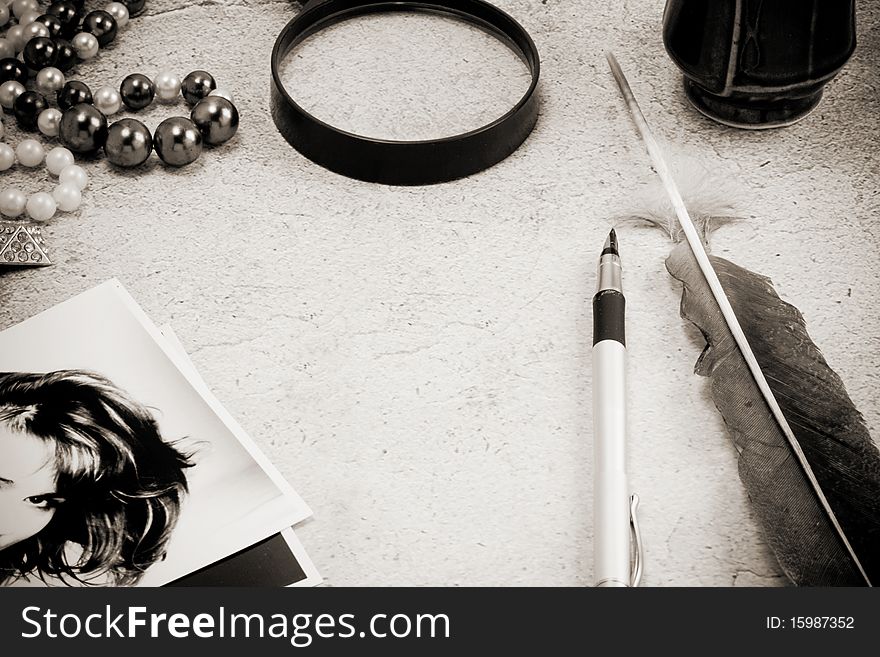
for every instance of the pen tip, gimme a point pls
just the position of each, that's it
(611, 244)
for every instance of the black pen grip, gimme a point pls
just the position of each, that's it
(609, 321)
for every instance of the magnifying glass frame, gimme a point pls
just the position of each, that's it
(395, 162)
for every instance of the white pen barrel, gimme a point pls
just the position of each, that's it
(611, 519)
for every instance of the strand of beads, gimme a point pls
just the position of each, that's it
(41, 206)
(66, 20)
(84, 127)
(46, 54)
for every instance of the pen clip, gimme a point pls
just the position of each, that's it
(638, 552)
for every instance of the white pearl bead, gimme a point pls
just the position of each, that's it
(7, 157)
(49, 80)
(108, 100)
(4, 15)
(7, 48)
(30, 152)
(29, 17)
(85, 44)
(223, 93)
(41, 206)
(9, 91)
(49, 121)
(12, 202)
(118, 11)
(15, 36)
(57, 159)
(75, 175)
(67, 196)
(21, 7)
(167, 86)
(34, 30)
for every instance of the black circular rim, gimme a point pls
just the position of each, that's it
(396, 162)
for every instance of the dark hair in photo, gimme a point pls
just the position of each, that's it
(121, 483)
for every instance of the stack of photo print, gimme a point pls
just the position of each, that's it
(119, 467)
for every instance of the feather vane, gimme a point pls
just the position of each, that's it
(829, 428)
(789, 515)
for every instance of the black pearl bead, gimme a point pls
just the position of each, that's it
(39, 53)
(177, 141)
(12, 69)
(216, 118)
(73, 93)
(68, 14)
(134, 6)
(67, 57)
(129, 143)
(53, 24)
(27, 108)
(102, 25)
(196, 86)
(137, 91)
(83, 128)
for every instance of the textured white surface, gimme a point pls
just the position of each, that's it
(416, 360)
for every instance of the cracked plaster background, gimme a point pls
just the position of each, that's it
(416, 360)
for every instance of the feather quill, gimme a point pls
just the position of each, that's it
(816, 490)
(812, 396)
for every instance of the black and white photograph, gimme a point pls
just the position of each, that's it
(280, 560)
(118, 469)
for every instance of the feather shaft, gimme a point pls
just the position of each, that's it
(702, 258)
(828, 426)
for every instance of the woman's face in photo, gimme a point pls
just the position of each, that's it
(28, 498)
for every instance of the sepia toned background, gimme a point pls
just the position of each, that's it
(416, 361)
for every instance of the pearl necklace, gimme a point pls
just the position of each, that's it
(41, 206)
(83, 126)
(49, 43)
(38, 37)
(61, 22)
